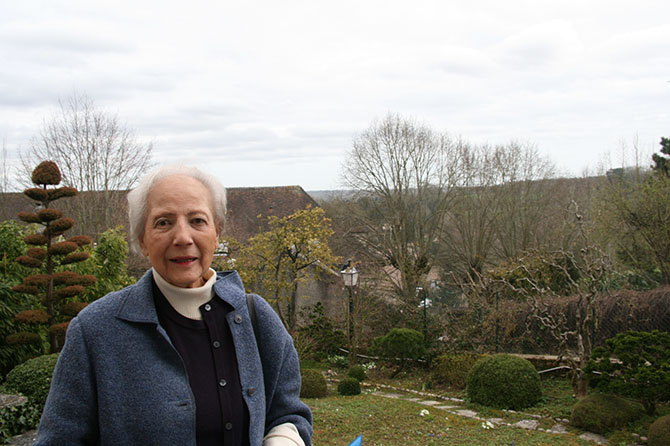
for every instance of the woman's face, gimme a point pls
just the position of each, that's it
(180, 234)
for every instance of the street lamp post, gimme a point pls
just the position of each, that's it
(419, 290)
(350, 278)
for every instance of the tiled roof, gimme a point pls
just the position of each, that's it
(246, 204)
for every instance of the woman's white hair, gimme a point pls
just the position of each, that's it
(138, 198)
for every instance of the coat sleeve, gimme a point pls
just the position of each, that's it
(70, 412)
(281, 370)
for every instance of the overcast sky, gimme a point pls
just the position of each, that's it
(266, 93)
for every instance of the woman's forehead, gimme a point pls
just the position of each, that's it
(179, 193)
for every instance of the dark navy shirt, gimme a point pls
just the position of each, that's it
(206, 347)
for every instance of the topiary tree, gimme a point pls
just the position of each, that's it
(51, 254)
(602, 413)
(399, 345)
(505, 382)
(635, 364)
(313, 384)
(357, 372)
(659, 432)
(349, 386)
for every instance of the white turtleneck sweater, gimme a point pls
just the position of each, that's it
(187, 302)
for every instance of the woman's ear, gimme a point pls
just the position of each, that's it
(143, 248)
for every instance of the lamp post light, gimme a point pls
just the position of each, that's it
(350, 278)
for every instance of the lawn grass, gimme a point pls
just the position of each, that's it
(394, 422)
(388, 422)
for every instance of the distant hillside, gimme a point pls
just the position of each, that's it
(325, 195)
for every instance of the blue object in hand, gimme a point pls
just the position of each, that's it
(357, 442)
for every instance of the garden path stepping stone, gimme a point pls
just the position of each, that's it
(527, 424)
(444, 407)
(388, 395)
(558, 429)
(466, 413)
(589, 436)
(429, 403)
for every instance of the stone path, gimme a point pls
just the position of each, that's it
(452, 405)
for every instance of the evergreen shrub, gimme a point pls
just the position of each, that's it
(505, 382)
(33, 379)
(659, 432)
(602, 413)
(399, 344)
(357, 372)
(313, 384)
(349, 386)
(452, 369)
(15, 420)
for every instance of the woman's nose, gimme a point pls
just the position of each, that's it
(182, 235)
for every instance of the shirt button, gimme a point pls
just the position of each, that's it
(238, 319)
(229, 426)
(251, 391)
(208, 307)
(223, 383)
(216, 344)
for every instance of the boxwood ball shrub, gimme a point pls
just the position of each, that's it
(349, 386)
(357, 372)
(33, 378)
(602, 413)
(659, 432)
(313, 384)
(504, 382)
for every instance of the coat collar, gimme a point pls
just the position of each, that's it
(138, 304)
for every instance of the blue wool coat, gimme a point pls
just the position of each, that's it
(119, 380)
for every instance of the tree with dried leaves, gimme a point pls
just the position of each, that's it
(97, 155)
(277, 261)
(51, 254)
(404, 176)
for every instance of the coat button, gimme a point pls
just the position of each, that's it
(238, 319)
(223, 383)
(251, 391)
(216, 344)
(229, 426)
(208, 307)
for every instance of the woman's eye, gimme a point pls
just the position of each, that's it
(199, 221)
(161, 223)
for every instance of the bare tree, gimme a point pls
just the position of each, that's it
(404, 175)
(500, 209)
(98, 156)
(543, 278)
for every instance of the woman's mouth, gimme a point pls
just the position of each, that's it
(183, 260)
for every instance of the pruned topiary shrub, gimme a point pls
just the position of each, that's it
(313, 384)
(349, 386)
(452, 369)
(602, 413)
(659, 432)
(504, 382)
(399, 345)
(33, 379)
(357, 372)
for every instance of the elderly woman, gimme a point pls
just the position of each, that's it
(173, 359)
